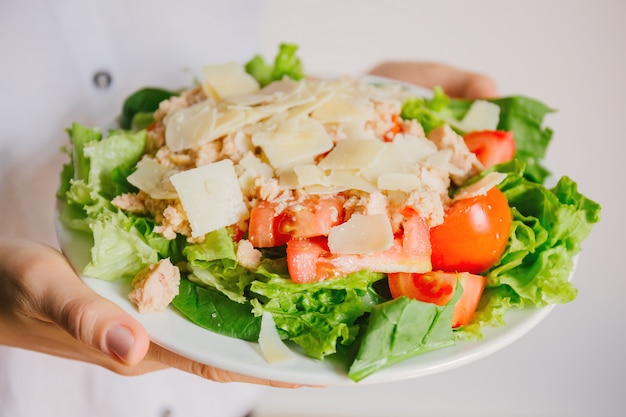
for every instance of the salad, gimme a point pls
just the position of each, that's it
(351, 218)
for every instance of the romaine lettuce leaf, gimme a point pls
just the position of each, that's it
(316, 316)
(548, 228)
(214, 263)
(431, 112)
(112, 160)
(119, 250)
(286, 63)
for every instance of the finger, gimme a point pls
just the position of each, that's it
(59, 296)
(162, 355)
(455, 82)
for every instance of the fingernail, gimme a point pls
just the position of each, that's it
(119, 342)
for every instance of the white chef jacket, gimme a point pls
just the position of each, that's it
(65, 61)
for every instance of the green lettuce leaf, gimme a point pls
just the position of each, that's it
(524, 116)
(119, 250)
(112, 160)
(286, 63)
(214, 311)
(548, 229)
(400, 329)
(138, 107)
(316, 316)
(214, 263)
(432, 112)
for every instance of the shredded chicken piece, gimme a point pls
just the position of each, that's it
(155, 287)
(412, 127)
(446, 138)
(169, 216)
(385, 113)
(133, 202)
(247, 255)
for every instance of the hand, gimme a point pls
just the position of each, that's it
(455, 82)
(45, 307)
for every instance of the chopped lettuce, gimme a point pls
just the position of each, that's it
(124, 244)
(317, 316)
(434, 111)
(286, 64)
(214, 263)
(119, 250)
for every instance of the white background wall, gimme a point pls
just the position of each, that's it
(569, 54)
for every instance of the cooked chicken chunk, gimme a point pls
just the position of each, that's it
(155, 287)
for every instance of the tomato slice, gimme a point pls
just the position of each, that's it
(303, 258)
(473, 235)
(312, 217)
(263, 226)
(273, 224)
(491, 146)
(310, 260)
(438, 287)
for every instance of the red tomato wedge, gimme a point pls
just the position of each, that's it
(273, 224)
(310, 260)
(491, 146)
(437, 287)
(312, 217)
(473, 235)
(263, 226)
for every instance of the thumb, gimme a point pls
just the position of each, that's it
(61, 297)
(99, 323)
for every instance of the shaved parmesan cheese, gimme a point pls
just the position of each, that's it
(293, 143)
(352, 154)
(396, 181)
(481, 186)
(413, 148)
(189, 125)
(153, 179)
(273, 348)
(227, 80)
(482, 115)
(288, 180)
(250, 168)
(210, 196)
(350, 180)
(341, 109)
(200, 123)
(225, 122)
(390, 159)
(361, 234)
(310, 174)
(273, 92)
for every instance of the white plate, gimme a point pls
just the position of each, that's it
(173, 331)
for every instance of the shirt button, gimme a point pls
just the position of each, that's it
(102, 79)
(166, 413)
